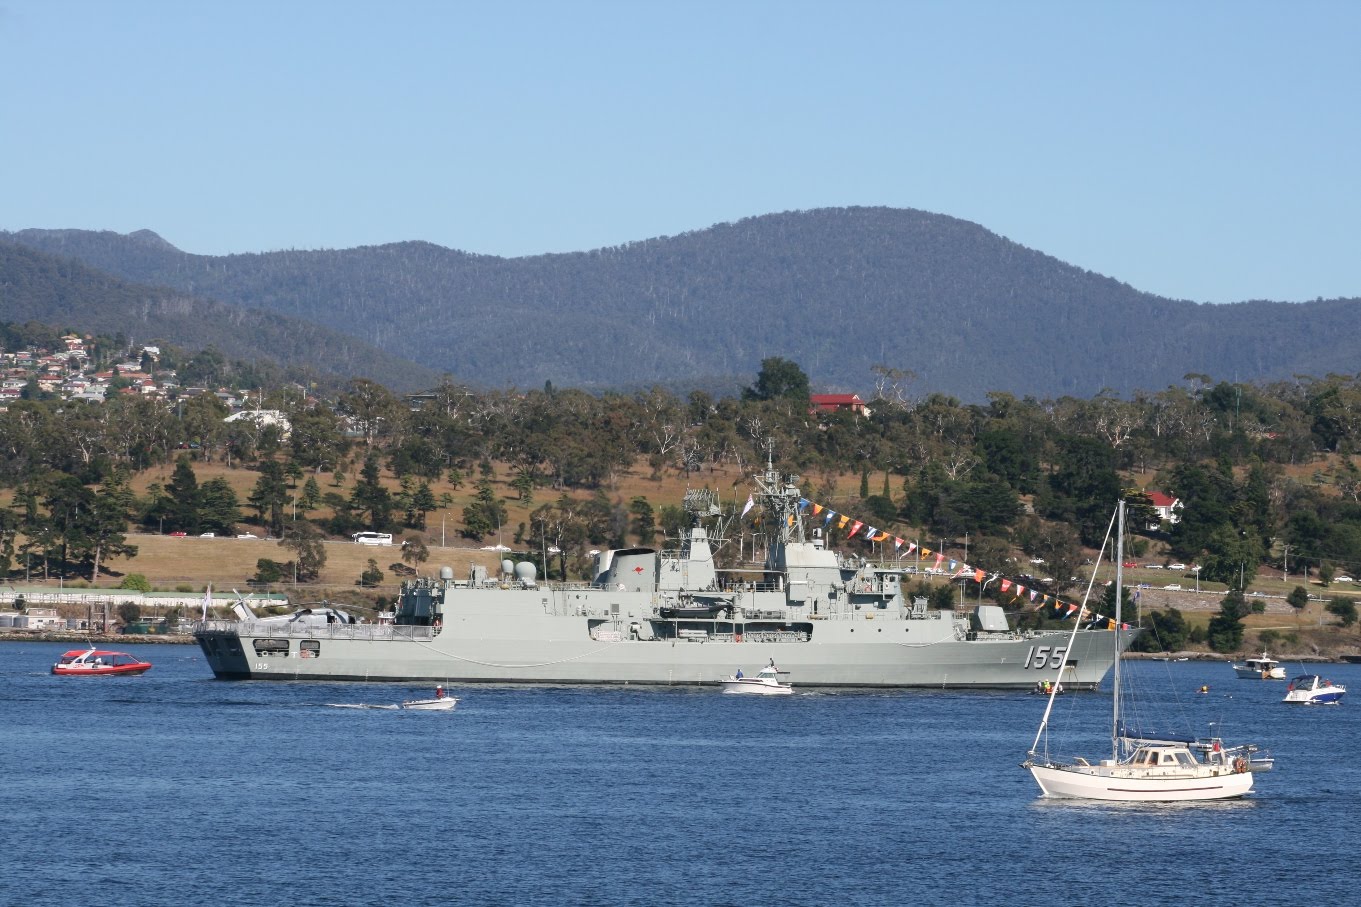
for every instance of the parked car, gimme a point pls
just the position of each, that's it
(1173, 587)
(178, 535)
(1153, 566)
(1176, 566)
(248, 535)
(1343, 579)
(1129, 564)
(208, 535)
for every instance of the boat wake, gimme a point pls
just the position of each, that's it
(361, 705)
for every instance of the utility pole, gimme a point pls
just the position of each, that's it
(1285, 574)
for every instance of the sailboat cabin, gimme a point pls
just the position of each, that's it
(1160, 756)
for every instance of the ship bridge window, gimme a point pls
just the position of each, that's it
(309, 648)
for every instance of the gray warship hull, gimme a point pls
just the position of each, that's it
(669, 617)
(367, 652)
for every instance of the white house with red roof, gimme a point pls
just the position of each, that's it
(1167, 506)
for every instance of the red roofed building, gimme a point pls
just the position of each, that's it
(1166, 505)
(831, 403)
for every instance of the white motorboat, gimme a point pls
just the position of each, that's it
(1263, 667)
(444, 704)
(1140, 768)
(441, 702)
(765, 683)
(1310, 689)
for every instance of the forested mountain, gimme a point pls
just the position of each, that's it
(35, 286)
(836, 290)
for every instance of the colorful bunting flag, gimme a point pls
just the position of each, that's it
(750, 504)
(854, 529)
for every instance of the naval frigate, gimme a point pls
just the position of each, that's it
(668, 617)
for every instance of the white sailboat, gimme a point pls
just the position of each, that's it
(1140, 768)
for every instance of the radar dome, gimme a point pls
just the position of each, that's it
(446, 573)
(525, 571)
(507, 566)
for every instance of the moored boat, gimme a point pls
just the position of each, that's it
(1263, 667)
(94, 662)
(1311, 689)
(1141, 767)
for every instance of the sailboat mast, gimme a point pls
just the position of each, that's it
(1077, 624)
(1119, 601)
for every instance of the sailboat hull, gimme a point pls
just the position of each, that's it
(1127, 784)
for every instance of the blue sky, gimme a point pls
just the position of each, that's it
(1204, 151)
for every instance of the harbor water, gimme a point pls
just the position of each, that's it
(175, 788)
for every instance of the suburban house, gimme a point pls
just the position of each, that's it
(831, 403)
(1167, 506)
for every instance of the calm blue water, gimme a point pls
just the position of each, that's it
(174, 788)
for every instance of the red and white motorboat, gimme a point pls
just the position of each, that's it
(90, 662)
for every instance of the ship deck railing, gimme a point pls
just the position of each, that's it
(270, 630)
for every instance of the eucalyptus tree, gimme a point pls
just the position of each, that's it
(315, 439)
(202, 422)
(309, 554)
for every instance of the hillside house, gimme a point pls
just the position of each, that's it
(1168, 507)
(832, 403)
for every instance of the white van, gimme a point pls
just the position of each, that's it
(372, 538)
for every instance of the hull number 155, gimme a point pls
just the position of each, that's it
(1042, 657)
